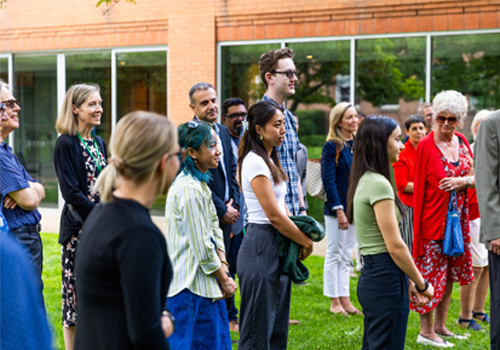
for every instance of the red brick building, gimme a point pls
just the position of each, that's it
(385, 56)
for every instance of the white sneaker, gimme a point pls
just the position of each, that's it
(426, 341)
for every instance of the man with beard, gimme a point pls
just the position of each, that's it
(233, 112)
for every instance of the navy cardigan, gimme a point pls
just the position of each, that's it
(72, 175)
(335, 177)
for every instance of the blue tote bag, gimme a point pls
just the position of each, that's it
(453, 244)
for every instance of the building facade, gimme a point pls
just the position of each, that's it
(384, 56)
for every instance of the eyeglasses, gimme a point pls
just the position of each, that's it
(10, 103)
(182, 153)
(289, 73)
(452, 121)
(2, 108)
(236, 115)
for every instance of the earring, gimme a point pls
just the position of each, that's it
(261, 137)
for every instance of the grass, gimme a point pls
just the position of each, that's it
(319, 329)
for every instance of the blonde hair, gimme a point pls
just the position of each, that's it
(478, 118)
(137, 146)
(450, 101)
(67, 121)
(336, 115)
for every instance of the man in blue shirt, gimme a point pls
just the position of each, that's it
(20, 195)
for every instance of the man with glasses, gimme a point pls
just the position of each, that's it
(20, 194)
(233, 112)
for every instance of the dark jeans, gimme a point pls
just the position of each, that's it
(494, 267)
(29, 237)
(234, 248)
(265, 292)
(383, 294)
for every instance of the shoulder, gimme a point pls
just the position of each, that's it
(185, 185)
(330, 146)
(223, 131)
(64, 141)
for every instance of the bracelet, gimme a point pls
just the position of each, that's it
(302, 209)
(225, 263)
(172, 318)
(426, 286)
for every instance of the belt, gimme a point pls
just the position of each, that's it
(30, 228)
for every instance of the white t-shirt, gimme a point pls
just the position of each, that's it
(253, 166)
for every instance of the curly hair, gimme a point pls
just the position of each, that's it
(269, 61)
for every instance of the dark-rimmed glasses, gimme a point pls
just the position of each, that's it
(236, 115)
(10, 103)
(452, 121)
(181, 154)
(2, 108)
(289, 73)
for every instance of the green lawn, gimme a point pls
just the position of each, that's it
(319, 329)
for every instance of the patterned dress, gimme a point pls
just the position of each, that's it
(68, 251)
(434, 265)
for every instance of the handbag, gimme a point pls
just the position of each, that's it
(314, 181)
(453, 244)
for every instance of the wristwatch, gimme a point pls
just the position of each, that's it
(172, 318)
(469, 181)
(426, 286)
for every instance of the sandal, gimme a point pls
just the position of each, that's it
(485, 318)
(472, 324)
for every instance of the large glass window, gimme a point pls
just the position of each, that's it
(324, 80)
(390, 76)
(4, 69)
(36, 88)
(93, 68)
(141, 82)
(240, 71)
(468, 64)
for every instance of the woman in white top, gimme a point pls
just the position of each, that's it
(196, 248)
(265, 293)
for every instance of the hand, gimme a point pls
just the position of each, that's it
(167, 325)
(9, 203)
(449, 184)
(231, 215)
(342, 220)
(495, 246)
(416, 298)
(228, 287)
(305, 251)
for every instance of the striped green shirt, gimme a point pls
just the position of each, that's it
(192, 227)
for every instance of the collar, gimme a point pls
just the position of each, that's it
(267, 98)
(215, 126)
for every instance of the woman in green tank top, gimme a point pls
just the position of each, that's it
(384, 291)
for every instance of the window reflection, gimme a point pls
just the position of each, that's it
(141, 82)
(240, 71)
(36, 88)
(390, 76)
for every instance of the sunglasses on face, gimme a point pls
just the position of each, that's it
(289, 73)
(440, 119)
(236, 115)
(10, 103)
(2, 108)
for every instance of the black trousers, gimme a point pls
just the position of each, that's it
(383, 294)
(265, 293)
(494, 267)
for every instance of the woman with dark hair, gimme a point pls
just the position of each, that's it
(375, 210)
(336, 160)
(196, 247)
(404, 170)
(265, 293)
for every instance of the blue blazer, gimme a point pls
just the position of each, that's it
(335, 177)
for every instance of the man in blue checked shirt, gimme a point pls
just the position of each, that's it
(20, 195)
(279, 76)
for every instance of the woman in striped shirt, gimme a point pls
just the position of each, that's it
(196, 248)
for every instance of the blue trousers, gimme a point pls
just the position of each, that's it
(29, 237)
(383, 294)
(200, 323)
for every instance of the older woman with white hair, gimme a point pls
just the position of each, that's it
(473, 295)
(443, 164)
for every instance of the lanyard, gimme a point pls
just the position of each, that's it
(98, 163)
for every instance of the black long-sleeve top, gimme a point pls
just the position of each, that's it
(123, 273)
(69, 164)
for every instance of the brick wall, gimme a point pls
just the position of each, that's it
(191, 28)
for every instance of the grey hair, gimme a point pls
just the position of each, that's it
(4, 85)
(450, 101)
(478, 118)
(420, 109)
(199, 86)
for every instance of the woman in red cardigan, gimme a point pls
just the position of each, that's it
(404, 171)
(443, 164)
